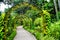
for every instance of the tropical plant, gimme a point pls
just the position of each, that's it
(54, 30)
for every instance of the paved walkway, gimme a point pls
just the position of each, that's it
(23, 34)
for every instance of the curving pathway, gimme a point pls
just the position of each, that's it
(23, 34)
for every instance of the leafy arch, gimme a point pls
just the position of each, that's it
(7, 15)
(22, 6)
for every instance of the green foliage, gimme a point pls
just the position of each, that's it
(46, 18)
(59, 14)
(32, 14)
(38, 21)
(52, 30)
(40, 36)
(48, 6)
(8, 29)
(13, 34)
(55, 30)
(1, 27)
(27, 21)
(47, 37)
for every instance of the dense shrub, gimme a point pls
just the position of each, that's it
(55, 30)
(1, 26)
(38, 22)
(6, 32)
(13, 34)
(27, 21)
(32, 14)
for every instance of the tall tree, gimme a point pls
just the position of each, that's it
(59, 4)
(56, 9)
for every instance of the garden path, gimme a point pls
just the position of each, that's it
(23, 34)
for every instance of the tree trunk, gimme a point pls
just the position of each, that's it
(59, 4)
(56, 9)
